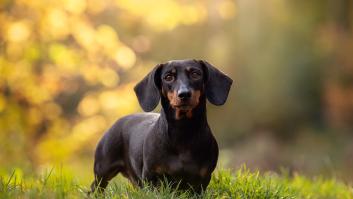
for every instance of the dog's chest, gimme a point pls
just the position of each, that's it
(182, 163)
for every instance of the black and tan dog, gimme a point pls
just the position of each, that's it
(176, 144)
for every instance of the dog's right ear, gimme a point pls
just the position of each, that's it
(147, 90)
(217, 85)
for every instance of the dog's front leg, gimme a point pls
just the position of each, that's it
(150, 177)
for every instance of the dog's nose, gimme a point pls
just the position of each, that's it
(184, 93)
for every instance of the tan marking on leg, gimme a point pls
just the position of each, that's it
(159, 169)
(203, 171)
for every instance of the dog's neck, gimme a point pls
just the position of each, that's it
(188, 125)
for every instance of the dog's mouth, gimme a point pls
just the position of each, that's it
(184, 107)
(183, 111)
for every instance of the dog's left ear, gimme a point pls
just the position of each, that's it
(217, 84)
(147, 90)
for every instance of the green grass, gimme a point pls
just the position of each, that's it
(224, 184)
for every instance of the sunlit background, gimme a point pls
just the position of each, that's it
(68, 67)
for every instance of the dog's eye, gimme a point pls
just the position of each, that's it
(195, 75)
(169, 77)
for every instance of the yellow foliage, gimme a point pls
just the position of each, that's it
(51, 110)
(121, 100)
(18, 31)
(125, 57)
(84, 33)
(107, 38)
(108, 77)
(164, 14)
(89, 106)
(86, 128)
(57, 28)
(64, 57)
(96, 6)
(227, 9)
(2, 103)
(35, 116)
(75, 6)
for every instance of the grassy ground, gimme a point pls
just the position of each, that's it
(224, 184)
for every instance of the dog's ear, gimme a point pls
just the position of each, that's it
(147, 90)
(217, 84)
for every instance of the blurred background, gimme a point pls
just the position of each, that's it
(68, 67)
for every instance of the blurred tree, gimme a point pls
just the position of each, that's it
(337, 41)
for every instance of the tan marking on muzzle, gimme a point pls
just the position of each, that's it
(173, 98)
(175, 101)
(195, 98)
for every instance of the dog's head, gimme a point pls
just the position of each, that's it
(183, 83)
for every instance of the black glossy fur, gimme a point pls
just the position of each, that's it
(177, 143)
